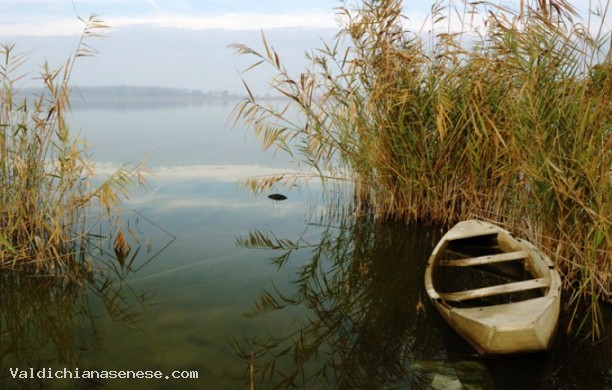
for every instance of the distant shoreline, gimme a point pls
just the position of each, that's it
(103, 94)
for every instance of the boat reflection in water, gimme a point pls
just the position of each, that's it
(362, 319)
(366, 325)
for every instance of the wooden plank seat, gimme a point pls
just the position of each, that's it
(489, 259)
(496, 290)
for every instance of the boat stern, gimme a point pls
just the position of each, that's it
(520, 327)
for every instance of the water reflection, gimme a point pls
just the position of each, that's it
(363, 322)
(203, 283)
(146, 104)
(46, 323)
(367, 325)
(55, 323)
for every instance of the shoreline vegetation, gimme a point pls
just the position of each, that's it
(50, 194)
(487, 112)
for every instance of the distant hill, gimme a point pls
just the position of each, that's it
(140, 92)
(150, 92)
(137, 97)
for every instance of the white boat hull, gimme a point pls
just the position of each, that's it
(509, 328)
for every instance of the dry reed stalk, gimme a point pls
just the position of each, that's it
(46, 185)
(512, 125)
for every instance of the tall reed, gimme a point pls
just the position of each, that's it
(495, 113)
(47, 187)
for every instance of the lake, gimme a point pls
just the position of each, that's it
(234, 286)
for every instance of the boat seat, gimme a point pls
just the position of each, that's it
(489, 259)
(496, 290)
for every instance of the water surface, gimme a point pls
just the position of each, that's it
(219, 281)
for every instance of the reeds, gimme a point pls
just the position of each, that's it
(510, 122)
(47, 190)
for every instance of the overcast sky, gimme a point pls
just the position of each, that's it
(53, 17)
(181, 43)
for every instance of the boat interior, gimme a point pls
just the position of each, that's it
(481, 271)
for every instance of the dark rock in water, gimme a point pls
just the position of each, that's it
(277, 197)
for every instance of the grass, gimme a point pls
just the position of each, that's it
(510, 122)
(48, 188)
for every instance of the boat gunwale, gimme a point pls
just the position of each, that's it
(539, 266)
(533, 256)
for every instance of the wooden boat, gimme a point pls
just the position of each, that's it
(516, 316)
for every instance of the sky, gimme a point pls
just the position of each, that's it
(173, 43)
(58, 17)
(176, 43)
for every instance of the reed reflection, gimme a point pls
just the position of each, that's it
(362, 320)
(53, 322)
(367, 325)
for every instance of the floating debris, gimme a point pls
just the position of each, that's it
(277, 197)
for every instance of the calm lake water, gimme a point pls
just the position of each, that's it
(219, 281)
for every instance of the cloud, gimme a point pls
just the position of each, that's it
(226, 21)
(234, 21)
(41, 17)
(62, 27)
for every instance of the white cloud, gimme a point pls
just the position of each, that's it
(43, 29)
(120, 13)
(227, 21)
(233, 21)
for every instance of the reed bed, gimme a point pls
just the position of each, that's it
(488, 112)
(48, 188)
